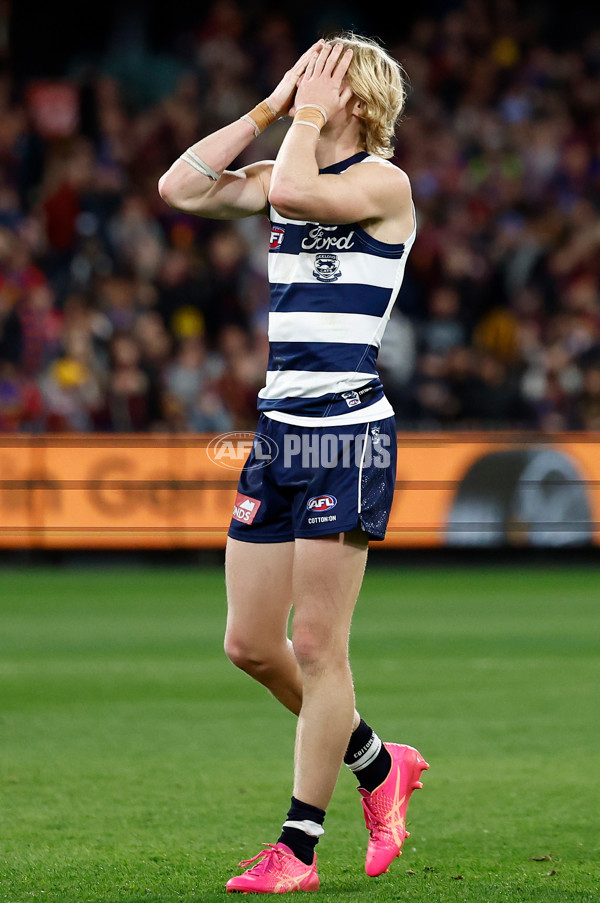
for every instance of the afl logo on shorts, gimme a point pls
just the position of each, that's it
(320, 503)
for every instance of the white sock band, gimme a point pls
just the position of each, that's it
(309, 827)
(194, 160)
(369, 755)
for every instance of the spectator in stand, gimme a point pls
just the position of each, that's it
(242, 376)
(191, 397)
(70, 395)
(21, 407)
(443, 328)
(129, 400)
(41, 328)
(586, 408)
(136, 238)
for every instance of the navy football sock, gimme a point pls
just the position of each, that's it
(367, 757)
(302, 829)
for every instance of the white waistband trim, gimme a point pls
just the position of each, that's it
(378, 411)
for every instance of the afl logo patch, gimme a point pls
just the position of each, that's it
(321, 503)
(327, 267)
(277, 234)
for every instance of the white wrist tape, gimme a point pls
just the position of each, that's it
(311, 114)
(194, 160)
(260, 117)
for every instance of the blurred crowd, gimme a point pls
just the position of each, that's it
(120, 314)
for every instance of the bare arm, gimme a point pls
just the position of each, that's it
(236, 193)
(376, 196)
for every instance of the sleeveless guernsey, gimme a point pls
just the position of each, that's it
(332, 292)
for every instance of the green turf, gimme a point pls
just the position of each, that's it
(137, 765)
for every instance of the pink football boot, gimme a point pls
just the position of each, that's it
(385, 808)
(277, 871)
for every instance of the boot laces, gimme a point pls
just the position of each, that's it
(265, 859)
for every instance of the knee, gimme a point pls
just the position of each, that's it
(240, 652)
(246, 655)
(315, 649)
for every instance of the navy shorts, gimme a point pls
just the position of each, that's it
(303, 482)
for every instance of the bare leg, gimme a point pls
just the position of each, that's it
(259, 599)
(327, 577)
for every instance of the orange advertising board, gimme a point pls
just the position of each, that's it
(167, 492)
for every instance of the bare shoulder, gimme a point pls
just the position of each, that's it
(260, 169)
(386, 177)
(390, 190)
(387, 184)
(258, 172)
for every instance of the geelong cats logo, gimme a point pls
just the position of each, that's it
(327, 267)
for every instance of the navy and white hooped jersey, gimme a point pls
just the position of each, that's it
(332, 292)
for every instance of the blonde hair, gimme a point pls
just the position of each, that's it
(379, 82)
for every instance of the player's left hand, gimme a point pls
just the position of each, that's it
(323, 82)
(282, 97)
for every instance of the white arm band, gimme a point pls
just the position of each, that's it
(248, 118)
(194, 160)
(313, 125)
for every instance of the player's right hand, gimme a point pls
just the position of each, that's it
(282, 98)
(324, 83)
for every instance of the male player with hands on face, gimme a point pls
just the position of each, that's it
(342, 225)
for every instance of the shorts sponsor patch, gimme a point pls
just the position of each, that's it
(245, 508)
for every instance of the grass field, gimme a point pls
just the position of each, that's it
(138, 766)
